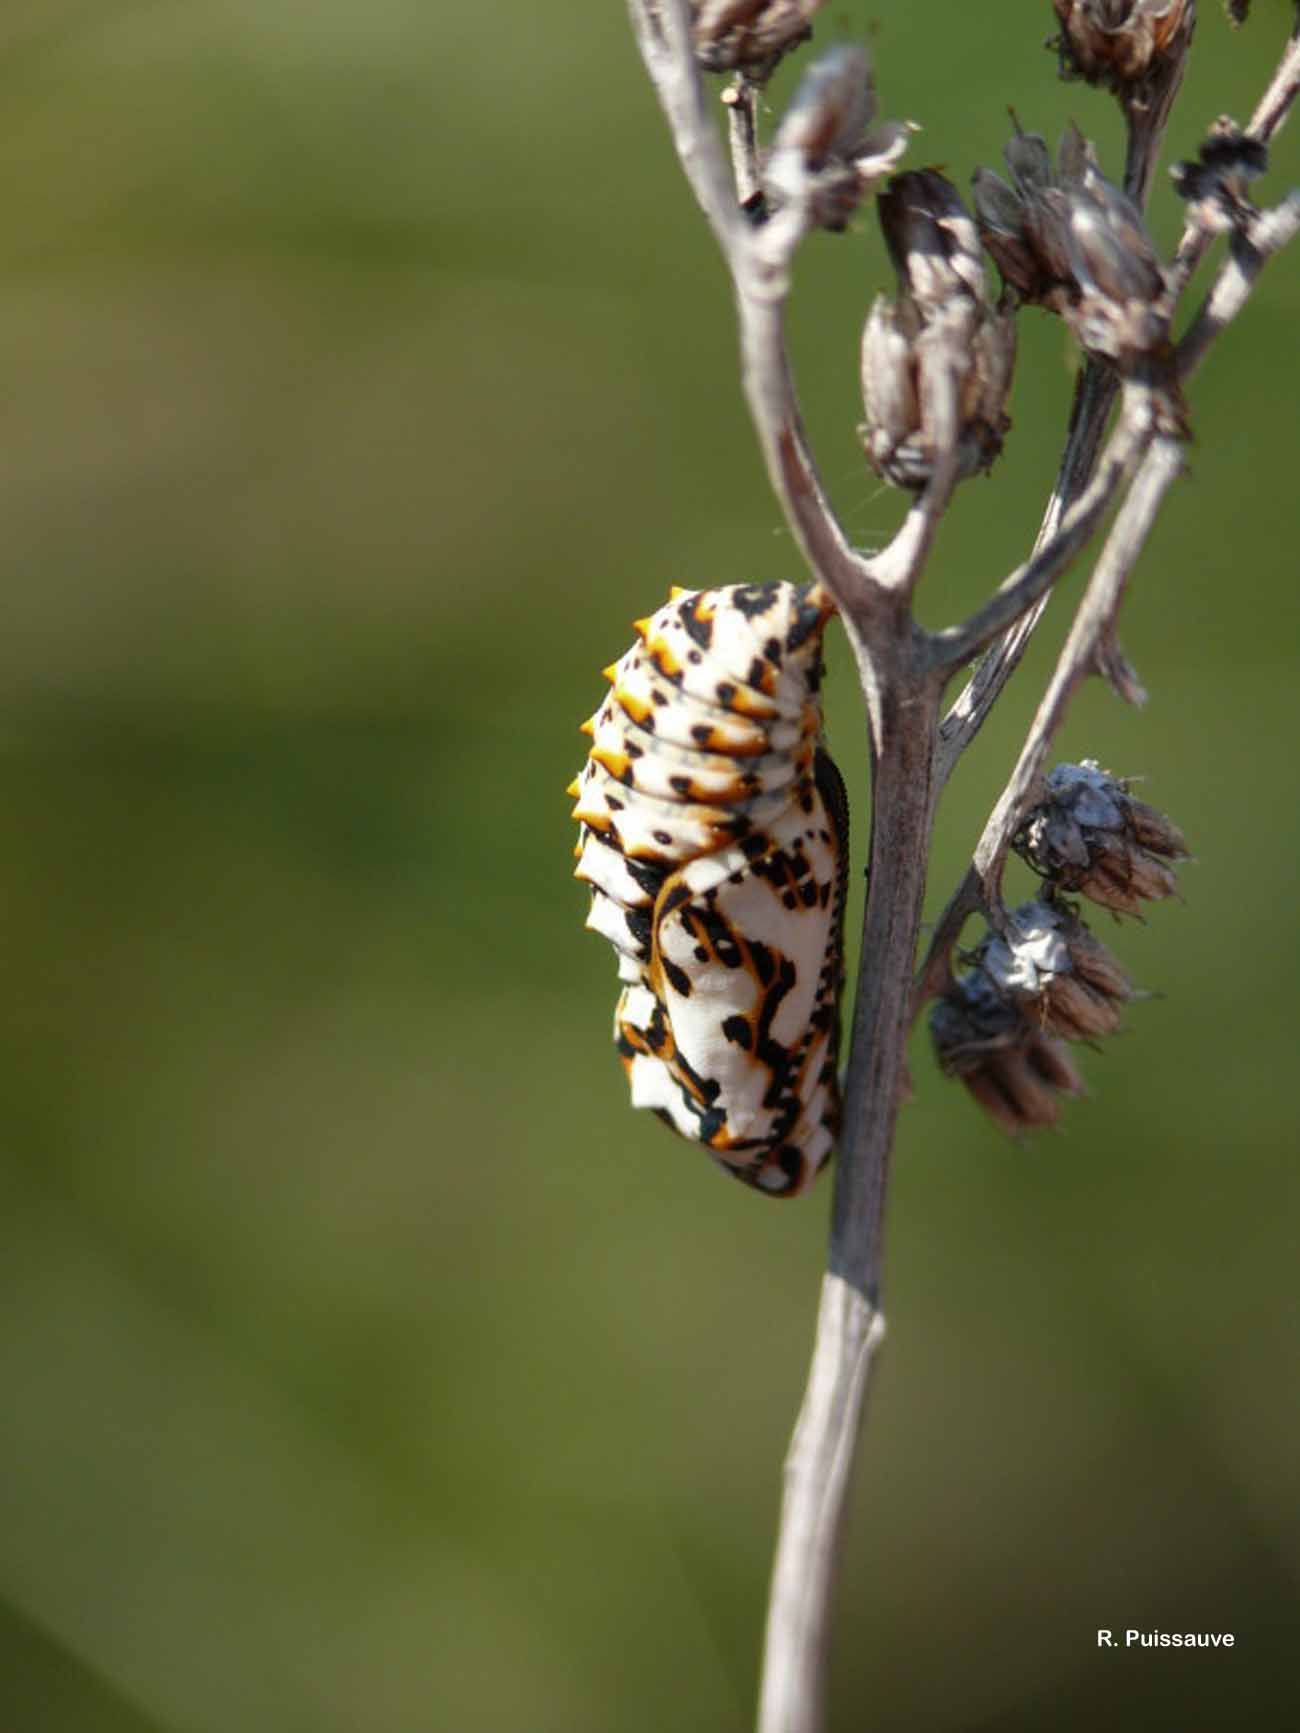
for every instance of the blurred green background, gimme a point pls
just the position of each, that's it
(367, 1364)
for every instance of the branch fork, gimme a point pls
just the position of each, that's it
(1069, 238)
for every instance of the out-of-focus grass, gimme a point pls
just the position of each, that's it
(367, 1363)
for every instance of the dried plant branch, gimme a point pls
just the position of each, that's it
(849, 1331)
(1146, 119)
(1258, 239)
(850, 1323)
(1085, 653)
(1088, 649)
(902, 714)
(740, 99)
(980, 888)
(1275, 104)
(663, 35)
(770, 393)
(1095, 392)
(899, 566)
(759, 261)
(1251, 249)
(820, 164)
(1094, 397)
(1270, 116)
(958, 644)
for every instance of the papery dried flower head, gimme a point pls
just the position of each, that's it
(749, 36)
(1123, 44)
(826, 156)
(1068, 239)
(942, 321)
(1013, 1070)
(1061, 977)
(932, 239)
(1089, 836)
(1215, 185)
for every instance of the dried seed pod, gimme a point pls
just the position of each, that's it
(1015, 1071)
(1123, 44)
(932, 240)
(1089, 836)
(1215, 185)
(824, 158)
(1069, 240)
(943, 323)
(749, 36)
(1063, 979)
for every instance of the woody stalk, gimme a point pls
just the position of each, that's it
(937, 363)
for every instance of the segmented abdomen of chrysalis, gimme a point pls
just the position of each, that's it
(714, 837)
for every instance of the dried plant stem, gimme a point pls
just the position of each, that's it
(1010, 607)
(1087, 651)
(903, 671)
(1250, 251)
(1094, 394)
(818, 1472)
(1094, 397)
(1276, 101)
(741, 98)
(980, 888)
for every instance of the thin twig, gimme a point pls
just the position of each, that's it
(980, 887)
(1267, 121)
(817, 1477)
(957, 644)
(770, 393)
(1083, 652)
(899, 566)
(1266, 235)
(663, 34)
(741, 99)
(759, 261)
(1094, 397)
(1146, 118)
(1275, 104)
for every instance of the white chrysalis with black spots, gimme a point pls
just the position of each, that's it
(714, 837)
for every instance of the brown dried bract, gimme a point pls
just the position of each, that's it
(1122, 43)
(1065, 237)
(943, 322)
(1063, 979)
(1090, 836)
(1015, 1071)
(749, 36)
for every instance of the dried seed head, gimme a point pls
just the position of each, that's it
(942, 324)
(824, 156)
(749, 36)
(1215, 186)
(1123, 44)
(1024, 225)
(1015, 1071)
(1069, 240)
(1063, 979)
(932, 240)
(1090, 836)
